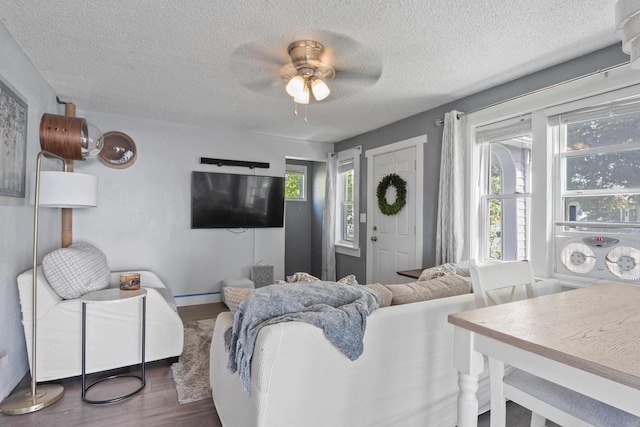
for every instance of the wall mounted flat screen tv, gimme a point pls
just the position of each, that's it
(223, 200)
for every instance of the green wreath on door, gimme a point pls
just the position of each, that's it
(400, 185)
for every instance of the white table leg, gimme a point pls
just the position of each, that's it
(498, 402)
(470, 365)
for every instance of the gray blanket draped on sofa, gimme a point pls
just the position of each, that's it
(339, 310)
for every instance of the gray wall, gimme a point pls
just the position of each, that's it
(303, 224)
(424, 123)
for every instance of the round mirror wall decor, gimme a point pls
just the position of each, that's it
(119, 150)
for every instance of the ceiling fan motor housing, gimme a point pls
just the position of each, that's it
(306, 57)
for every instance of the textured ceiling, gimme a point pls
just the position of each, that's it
(217, 63)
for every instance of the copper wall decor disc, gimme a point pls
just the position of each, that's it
(119, 150)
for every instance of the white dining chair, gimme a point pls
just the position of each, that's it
(546, 400)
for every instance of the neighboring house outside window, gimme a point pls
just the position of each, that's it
(505, 189)
(295, 182)
(347, 203)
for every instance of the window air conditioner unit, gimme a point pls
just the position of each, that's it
(598, 257)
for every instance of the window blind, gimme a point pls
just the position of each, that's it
(598, 112)
(502, 131)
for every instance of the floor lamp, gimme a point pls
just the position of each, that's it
(60, 189)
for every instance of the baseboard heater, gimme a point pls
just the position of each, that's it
(227, 162)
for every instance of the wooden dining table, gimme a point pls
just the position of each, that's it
(586, 339)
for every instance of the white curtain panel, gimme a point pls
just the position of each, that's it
(329, 221)
(450, 229)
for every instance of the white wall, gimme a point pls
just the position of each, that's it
(16, 220)
(144, 215)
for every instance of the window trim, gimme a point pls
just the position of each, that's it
(345, 247)
(302, 170)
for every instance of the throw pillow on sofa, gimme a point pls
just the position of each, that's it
(349, 280)
(437, 271)
(76, 270)
(302, 277)
(306, 277)
(233, 297)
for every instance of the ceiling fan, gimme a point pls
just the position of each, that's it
(307, 69)
(310, 72)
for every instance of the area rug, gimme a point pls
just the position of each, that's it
(191, 373)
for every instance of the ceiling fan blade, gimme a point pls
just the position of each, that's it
(255, 53)
(366, 77)
(261, 84)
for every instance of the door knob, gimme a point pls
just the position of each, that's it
(374, 239)
(375, 228)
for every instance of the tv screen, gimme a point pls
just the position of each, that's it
(223, 200)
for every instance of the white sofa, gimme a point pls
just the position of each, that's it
(113, 330)
(405, 377)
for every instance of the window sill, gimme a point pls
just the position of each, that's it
(347, 250)
(295, 200)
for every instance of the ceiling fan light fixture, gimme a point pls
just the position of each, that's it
(303, 96)
(319, 88)
(296, 86)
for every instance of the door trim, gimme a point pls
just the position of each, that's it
(417, 142)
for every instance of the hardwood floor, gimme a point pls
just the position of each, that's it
(156, 405)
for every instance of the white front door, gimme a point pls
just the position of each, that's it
(394, 243)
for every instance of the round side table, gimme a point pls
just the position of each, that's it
(111, 296)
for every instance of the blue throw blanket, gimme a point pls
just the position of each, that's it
(339, 310)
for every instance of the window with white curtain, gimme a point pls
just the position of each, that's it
(505, 188)
(598, 167)
(579, 168)
(347, 206)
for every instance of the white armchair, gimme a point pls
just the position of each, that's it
(113, 332)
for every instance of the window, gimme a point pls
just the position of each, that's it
(347, 198)
(295, 179)
(599, 167)
(505, 189)
(585, 160)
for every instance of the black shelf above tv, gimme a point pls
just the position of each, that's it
(227, 162)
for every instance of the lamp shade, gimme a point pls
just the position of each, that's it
(70, 137)
(320, 89)
(303, 97)
(295, 86)
(65, 190)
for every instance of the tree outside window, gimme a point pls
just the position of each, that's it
(294, 182)
(602, 169)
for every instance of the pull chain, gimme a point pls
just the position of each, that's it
(295, 108)
(305, 113)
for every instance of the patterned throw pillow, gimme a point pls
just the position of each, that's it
(349, 280)
(437, 271)
(306, 277)
(302, 277)
(234, 296)
(76, 270)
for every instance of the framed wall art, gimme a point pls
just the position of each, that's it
(13, 142)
